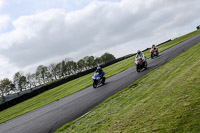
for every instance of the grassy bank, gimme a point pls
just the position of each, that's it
(76, 85)
(165, 100)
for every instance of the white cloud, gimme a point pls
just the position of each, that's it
(1, 3)
(4, 19)
(54, 34)
(6, 68)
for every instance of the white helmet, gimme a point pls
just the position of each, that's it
(138, 51)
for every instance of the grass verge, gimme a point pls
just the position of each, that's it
(77, 84)
(165, 100)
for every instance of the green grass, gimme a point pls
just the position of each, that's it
(165, 100)
(76, 85)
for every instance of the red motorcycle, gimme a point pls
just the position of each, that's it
(140, 64)
(154, 52)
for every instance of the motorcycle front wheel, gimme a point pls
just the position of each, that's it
(94, 84)
(137, 68)
(151, 56)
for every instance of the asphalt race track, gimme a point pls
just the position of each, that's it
(49, 118)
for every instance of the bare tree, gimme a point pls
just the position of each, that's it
(38, 78)
(20, 81)
(59, 72)
(41, 72)
(52, 70)
(49, 77)
(29, 84)
(31, 80)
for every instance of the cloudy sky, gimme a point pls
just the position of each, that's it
(35, 32)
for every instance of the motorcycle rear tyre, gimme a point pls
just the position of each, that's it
(103, 81)
(145, 65)
(157, 53)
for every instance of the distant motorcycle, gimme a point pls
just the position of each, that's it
(97, 80)
(140, 64)
(154, 52)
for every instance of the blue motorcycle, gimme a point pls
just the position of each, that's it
(98, 80)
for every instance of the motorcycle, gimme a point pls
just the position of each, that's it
(140, 64)
(97, 80)
(154, 52)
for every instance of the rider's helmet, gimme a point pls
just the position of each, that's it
(153, 46)
(138, 52)
(98, 68)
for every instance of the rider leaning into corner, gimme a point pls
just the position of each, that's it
(154, 47)
(100, 71)
(140, 55)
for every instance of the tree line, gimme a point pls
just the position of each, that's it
(54, 71)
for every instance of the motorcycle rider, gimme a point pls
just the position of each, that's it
(155, 48)
(140, 55)
(100, 71)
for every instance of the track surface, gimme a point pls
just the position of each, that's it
(52, 116)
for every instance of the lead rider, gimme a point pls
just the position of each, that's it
(140, 55)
